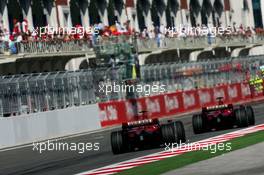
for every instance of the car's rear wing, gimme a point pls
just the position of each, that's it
(139, 123)
(217, 107)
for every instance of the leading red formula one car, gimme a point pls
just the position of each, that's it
(146, 133)
(222, 116)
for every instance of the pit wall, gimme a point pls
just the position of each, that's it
(176, 103)
(30, 128)
(25, 129)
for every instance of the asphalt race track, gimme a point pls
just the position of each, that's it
(26, 161)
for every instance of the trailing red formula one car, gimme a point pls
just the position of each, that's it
(222, 116)
(146, 133)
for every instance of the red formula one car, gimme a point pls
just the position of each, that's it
(146, 133)
(222, 116)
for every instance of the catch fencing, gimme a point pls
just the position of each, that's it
(187, 76)
(31, 93)
(24, 94)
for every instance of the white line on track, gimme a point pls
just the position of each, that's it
(117, 167)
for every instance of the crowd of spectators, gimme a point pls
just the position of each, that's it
(185, 31)
(22, 33)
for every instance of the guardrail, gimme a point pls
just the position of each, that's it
(196, 42)
(143, 45)
(54, 46)
(31, 93)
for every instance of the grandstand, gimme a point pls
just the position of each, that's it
(181, 60)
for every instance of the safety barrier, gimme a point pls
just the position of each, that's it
(64, 122)
(196, 42)
(186, 76)
(54, 46)
(109, 40)
(143, 44)
(31, 93)
(48, 125)
(164, 105)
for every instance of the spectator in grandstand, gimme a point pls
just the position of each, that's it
(137, 64)
(151, 34)
(2, 44)
(144, 33)
(12, 45)
(1, 27)
(182, 33)
(112, 61)
(162, 29)
(4, 39)
(21, 33)
(25, 26)
(1, 35)
(17, 26)
(248, 32)
(234, 28)
(159, 39)
(19, 38)
(209, 37)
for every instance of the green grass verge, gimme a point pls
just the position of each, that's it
(172, 163)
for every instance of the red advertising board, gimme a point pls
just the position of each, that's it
(112, 113)
(164, 105)
(206, 97)
(173, 103)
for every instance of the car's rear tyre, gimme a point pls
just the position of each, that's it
(173, 133)
(241, 117)
(250, 115)
(167, 134)
(179, 132)
(198, 124)
(117, 142)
